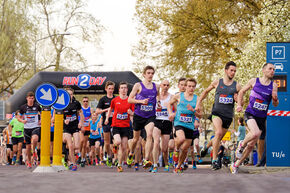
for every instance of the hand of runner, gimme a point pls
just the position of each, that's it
(145, 101)
(189, 107)
(198, 108)
(275, 98)
(171, 117)
(80, 125)
(24, 121)
(106, 122)
(66, 121)
(239, 108)
(130, 112)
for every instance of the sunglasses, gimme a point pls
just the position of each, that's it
(85, 101)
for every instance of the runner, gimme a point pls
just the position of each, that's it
(163, 127)
(71, 127)
(172, 141)
(144, 95)
(95, 137)
(17, 129)
(31, 118)
(222, 112)
(85, 131)
(102, 108)
(9, 146)
(184, 120)
(263, 91)
(121, 122)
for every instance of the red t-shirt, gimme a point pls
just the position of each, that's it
(120, 116)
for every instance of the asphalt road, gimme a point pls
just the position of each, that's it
(18, 179)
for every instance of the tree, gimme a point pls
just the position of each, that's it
(15, 55)
(63, 17)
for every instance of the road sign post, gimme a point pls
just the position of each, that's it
(62, 102)
(46, 95)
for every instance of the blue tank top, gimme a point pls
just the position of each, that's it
(94, 128)
(185, 117)
(260, 99)
(87, 115)
(146, 110)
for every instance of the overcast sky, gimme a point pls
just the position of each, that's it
(117, 17)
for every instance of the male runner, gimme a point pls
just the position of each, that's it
(171, 144)
(144, 95)
(223, 108)
(85, 131)
(263, 91)
(95, 137)
(184, 120)
(102, 108)
(72, 126)
(163, 127)
(31, 118)
(121, 122)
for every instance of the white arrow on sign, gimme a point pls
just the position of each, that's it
(46, 95)
(60, 100)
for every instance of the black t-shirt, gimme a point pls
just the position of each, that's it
(104, 103)
(71, 113)
(31, 114)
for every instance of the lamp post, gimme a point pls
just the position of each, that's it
(35, 43)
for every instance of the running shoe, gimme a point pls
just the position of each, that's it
(151, 168)
(70, 166)
(29, 165)
(199, 160)
(83, 163)
(175, 156)
(17, 162)
(178, 170)
(96, 161)
(239, 151)
(136, 168)
(74, 168)
(147, 164)
(13, 160)
(215, 165)
(120, 169)
(170, 159)
(194, 165)
(109, 162)
(115, 149)
(130, 159)
(154, 170)
(166, 168)
(64, 163)
(34, 156)
(185, 166)
(203, 152)
(233, 168)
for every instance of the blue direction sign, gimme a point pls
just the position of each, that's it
(63, 100)
(46, 94)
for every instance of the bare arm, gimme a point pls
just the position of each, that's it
(100, 111)
(134, 92)
(80, 113)
(242, 92)
(203, 95)
(172, 101)
(275, 100)
(107, 117)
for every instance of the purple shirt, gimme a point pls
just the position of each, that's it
(260, 99)
(146, 110)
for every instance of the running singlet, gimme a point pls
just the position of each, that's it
(93, 126)
(105, 103)
(87, 114)
(146, 110)
(185, 117)
(260, 99)
(31, 114)
(224, 99)
(121, 118)
(17, 128)
(162, 114)
(70, 113)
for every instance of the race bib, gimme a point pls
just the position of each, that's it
(147, 108)
(260, 106)
(30, 119)
(86, 122)
(162, 113)
(226, 99)
(71, 117)
(123, 116)
(18, 133)
(185, 118)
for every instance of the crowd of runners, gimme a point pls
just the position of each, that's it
(148, 127)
